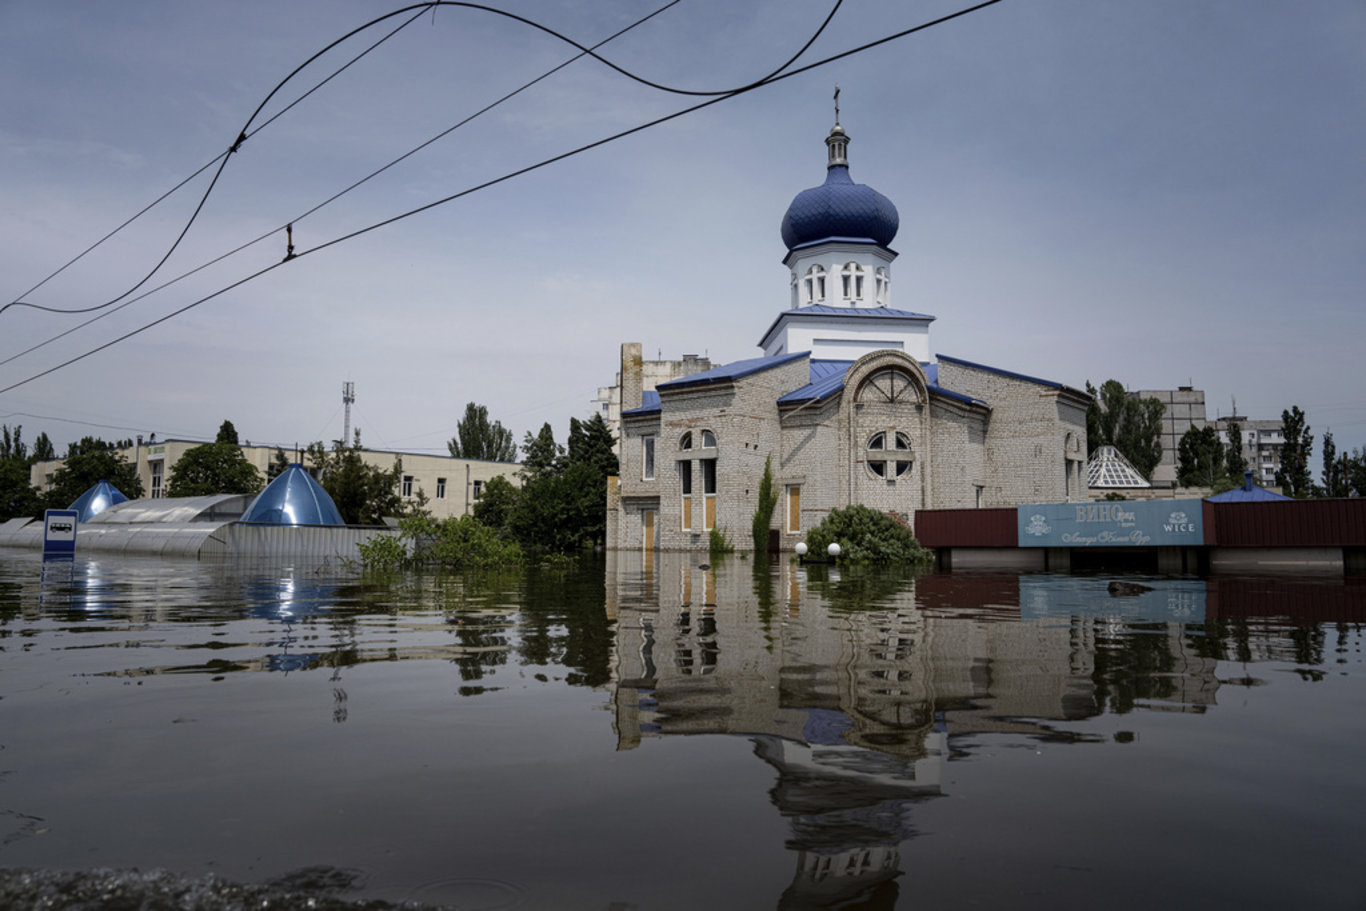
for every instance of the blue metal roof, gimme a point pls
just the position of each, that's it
(1000, 372)
(824, 311)
(729, 372)
(649, 404)
(827, 378)
(839, 208)
(293, 498)
(96, 500)
(858, 312)
(1248, 493)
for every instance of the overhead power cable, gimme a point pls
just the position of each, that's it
(221, 160)
(247, 132)
(510, 175)
(334, 197)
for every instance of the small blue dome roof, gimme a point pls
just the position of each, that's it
(839, 208)
(96, 500)
(293, 498)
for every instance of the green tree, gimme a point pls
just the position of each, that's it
(365, 494)
(591, 441)
(1233, 459)
(1334, 468)
(560, 511)
(479, 438)
(213, 468)
(1356, 472)
(17, 496)
(1293, 476)
(763, 513)
(12, 444)
(88, 462)
(226, 433)
(43, 450)
(496, 503)
(278, 463)
(1200, 457)
(1130, 423)
(541, 454)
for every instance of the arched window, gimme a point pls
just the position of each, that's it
(882, 286)
(890, 385)
(685, 441)
(814, 285)
(851, 281)
(889, 454)
(708, 440)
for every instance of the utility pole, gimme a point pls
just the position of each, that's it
(348, 396)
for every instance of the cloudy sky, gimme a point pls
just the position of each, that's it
(1165, 192)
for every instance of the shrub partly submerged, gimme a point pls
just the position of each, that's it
(867, 536)
(457, 543)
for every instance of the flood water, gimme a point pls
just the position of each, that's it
(632, 735)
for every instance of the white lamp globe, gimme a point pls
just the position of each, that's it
(834, 549)
(801, 548)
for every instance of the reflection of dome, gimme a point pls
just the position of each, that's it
(839, 208)
(294, 498)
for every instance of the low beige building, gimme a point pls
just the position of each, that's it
(450, 485)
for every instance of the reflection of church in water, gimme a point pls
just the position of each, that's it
(858, 696)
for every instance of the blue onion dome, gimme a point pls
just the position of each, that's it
(839, 208)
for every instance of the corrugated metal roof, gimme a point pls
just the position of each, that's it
(218, 507)
(995, 527)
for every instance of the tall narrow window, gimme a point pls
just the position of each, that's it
(882, 286)
(407, 486)
(441, 488)
(156, 478)
(794, 508)
(709, 494)
(813, 288)
(478, 490)
(647, 458)
(851, 281)
(685, 485)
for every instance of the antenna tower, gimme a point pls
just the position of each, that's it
(348, 396)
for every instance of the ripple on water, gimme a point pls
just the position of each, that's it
(469, 893)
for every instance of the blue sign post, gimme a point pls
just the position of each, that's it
(59, 533)
(1112, 523)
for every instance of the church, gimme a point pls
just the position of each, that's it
(845, 403)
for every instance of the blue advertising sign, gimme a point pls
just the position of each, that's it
(59, 532)
(1117, 523)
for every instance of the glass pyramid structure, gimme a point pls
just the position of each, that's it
(1109, 470)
